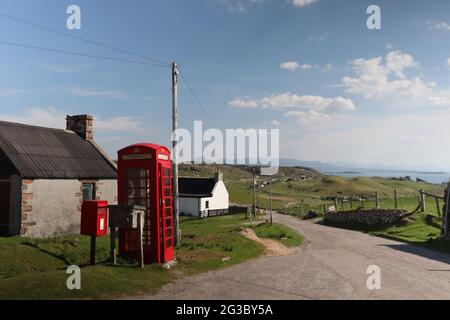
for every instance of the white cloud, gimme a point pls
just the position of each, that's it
(86, 92)
(54, 118)
(288, 100)
(384, 79)
(398, 61)
(415, 140)
(290, 65)
(406, 140)
(328, 67)
(120, 124)
(276, 122)
(441, 26)
(302, 3)
(310, 116)
(240, 6)
(448, 62)
(294, 66)
(44, 117)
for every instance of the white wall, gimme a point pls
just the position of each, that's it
(219, 200)
(189, 206)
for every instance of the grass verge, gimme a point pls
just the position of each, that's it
(420, 229)
(35, 268)
(286, 235)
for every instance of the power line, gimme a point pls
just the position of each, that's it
(197, 99)
(79, 54)
(83, 39)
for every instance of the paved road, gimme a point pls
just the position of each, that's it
(331, 265)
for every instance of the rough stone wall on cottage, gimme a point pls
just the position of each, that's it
(106, 190)
(53, 207)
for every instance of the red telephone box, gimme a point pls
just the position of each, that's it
(145, 179)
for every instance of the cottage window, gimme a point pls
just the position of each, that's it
(88, 191)
(207, 205)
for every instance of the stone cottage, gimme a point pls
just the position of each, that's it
(46, 173)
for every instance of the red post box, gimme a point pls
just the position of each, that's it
(145, 179)
(94, 218)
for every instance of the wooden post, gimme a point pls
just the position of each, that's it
(342, 204)
(324, 208)
(259, 194)
(377, 200)
(140, 223)
(270, 196)
(254, 193)
(336, 203)
(395, 199)
(351, 203)
(446, 215)
(437, 206)
(113, 245)
(93, 247)
(422, 201)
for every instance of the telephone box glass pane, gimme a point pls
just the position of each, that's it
(166, 172)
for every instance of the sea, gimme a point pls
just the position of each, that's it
(431, 177)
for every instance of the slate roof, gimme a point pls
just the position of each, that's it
(196, 187)
(45, 153)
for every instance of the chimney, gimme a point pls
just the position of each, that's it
(218, 176)
(82, 125)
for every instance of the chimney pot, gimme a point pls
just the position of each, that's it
(83, 125)
(219, 176)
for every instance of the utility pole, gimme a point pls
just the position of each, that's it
(254, 192)
(174, 156)
(270, 196)
(259, 194)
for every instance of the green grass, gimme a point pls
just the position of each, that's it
(287, 236)
(420, 229)
(289, 193)
(295, 197)
(35, 269)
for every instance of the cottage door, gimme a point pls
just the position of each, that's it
(4, 202)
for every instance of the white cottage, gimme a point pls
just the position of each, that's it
(203, 197)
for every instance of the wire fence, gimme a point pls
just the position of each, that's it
(309, 207)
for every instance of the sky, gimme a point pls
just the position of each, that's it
(337, 91)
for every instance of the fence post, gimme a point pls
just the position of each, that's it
(395, 199)
(351, 203)
(336, 203)
(342, 204)
(377, 200)
(437, 206)
(422, 200)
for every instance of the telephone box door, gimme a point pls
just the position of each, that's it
(166, 213)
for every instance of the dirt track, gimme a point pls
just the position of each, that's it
(331, 265)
